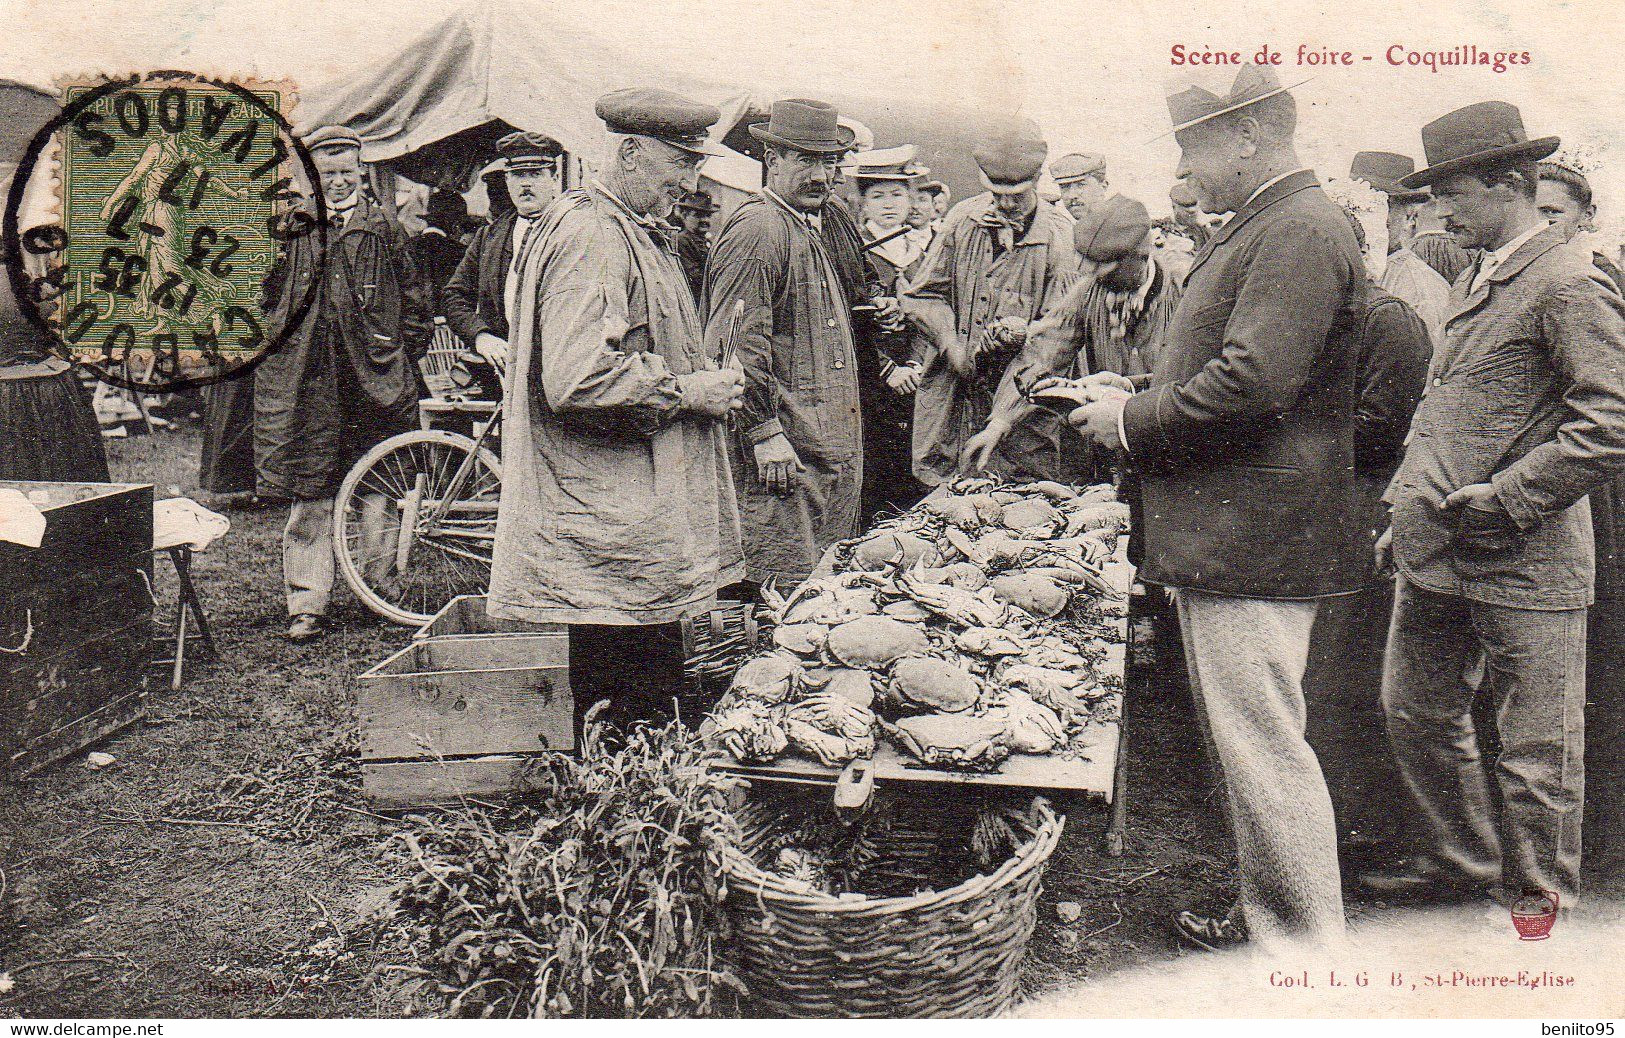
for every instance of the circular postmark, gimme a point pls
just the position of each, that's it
(175, 200)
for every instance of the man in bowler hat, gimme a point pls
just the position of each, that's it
(1524, 415)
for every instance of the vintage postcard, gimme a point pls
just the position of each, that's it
(858, 509)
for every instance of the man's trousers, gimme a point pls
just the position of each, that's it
(1246, 658)
(1535, 664)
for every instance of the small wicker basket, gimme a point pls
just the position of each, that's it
(946, 953)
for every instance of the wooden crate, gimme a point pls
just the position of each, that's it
(81, 602)
(465, 617)
(459, 716)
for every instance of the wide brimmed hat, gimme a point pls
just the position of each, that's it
(1489, 133)
(896, 164)
(1111, 230)
(1076, 166)
(667, 117)
(1194, 97)
(1012, 158)
(1383, 170)
(697, 201)
(805, 125)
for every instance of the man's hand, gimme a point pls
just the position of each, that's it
(1385, 553)
(904, 379)
(888, 313)
(1006, 331)
(493, 349)
(777, 464)
(1481, 496)
(979, 448)
(1108, 380)
(716, 393)
(1098, 420)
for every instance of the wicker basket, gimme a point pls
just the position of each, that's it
(947, 953)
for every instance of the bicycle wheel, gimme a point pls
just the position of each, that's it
(414, 523)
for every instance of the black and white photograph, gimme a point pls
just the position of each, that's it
(605, 510)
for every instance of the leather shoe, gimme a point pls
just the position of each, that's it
(1211, 933)
(305, 627)
(1421, 879)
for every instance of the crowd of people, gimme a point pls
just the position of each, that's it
(1372, 432)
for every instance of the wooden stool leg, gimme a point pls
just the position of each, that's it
(183, 571)
(179, 666)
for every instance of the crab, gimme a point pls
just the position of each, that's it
(1056, 492)
(960, 511)
(835, 606)
(907, 609)
(873, 642)
(835, 714)
(1032, 517)
(894, 548)
(929, 683)
(969, 608)
(767, 679)
(1033, 593)
(1031, 726)
(1060, 690)
(801, 639)
(990, 641)
(959, 742)
(965, 575)
(1082, 516)
(749, 731)
(847, 682)
(831, 750)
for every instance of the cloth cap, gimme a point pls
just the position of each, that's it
(661, 114)
(1383, 170)
(1198, 96)
(526, 150)
(1076, 166)
(1111, 230)
(331, 138)
(1010, 160)
(1489, 133)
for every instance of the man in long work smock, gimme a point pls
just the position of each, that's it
(799, 451)
(1003, 258)
(1245, 445)
(617, 514)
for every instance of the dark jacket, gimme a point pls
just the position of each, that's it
(472, 299)
(344, 378)
(1526, 395)
(437, 256)
(1245, 439)
(1390, 375)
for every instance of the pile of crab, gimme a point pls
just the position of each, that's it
(964, 630)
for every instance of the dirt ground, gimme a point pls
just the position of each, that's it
(218, 867)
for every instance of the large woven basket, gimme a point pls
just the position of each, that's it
(955, 952)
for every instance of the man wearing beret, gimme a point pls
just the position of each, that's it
(1245, 446)
(617, 514)
(1081, 178)
(1003, 257)
(343, 379)
(1524, 415)
(799, 457)
(480, 295)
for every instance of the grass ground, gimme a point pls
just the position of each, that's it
(221, 865)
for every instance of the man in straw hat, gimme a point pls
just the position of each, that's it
(617, 514)
(1245, 445)
(480, 295)
(775, 295)
(342, 380)
(1003, 258)
(1524, 415)
(1401, 273)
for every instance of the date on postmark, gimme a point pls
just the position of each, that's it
(174, 193)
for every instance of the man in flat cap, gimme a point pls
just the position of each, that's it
(1003, 258)
(480, 297)
(1244, 442)
(1524, 415)
(1402, 273)
(1081, 178)
(799, 449)
(343, 379)
(617, 514)
(692, 219)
